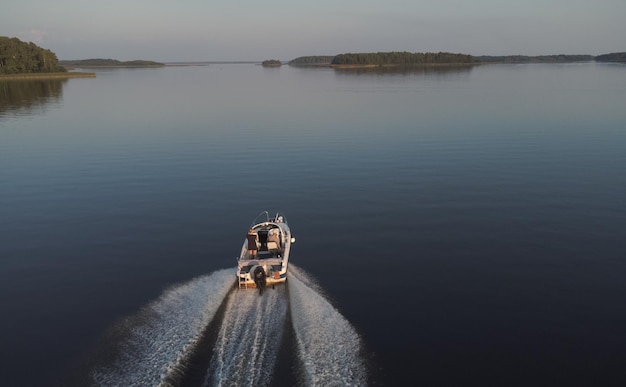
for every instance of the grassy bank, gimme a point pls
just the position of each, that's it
(47, 75)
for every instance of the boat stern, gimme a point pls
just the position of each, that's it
(273, 274)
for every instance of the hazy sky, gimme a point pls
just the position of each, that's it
(196, 30)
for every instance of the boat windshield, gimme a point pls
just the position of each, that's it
(265, 217)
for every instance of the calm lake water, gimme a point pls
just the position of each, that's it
(454, 226)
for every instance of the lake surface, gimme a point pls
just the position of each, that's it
(454, 226)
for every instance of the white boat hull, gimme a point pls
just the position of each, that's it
(273, 248)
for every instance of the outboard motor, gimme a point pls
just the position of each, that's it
(260, 279)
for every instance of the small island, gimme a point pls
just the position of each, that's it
(271, 63)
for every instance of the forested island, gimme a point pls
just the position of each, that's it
(106, 63)
(271, 63)
(401, 59)
(383, 59)
(441, 58)
(17, 57)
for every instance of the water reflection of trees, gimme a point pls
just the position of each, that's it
(24, 96)
(406, 70)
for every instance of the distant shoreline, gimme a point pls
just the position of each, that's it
(47, 75)
(364, 66)
(113, 66)
(108, 63)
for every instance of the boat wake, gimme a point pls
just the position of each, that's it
(329, 348)
(249, 339)
(236, 337)
(164, 332)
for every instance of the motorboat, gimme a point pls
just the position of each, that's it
(272, 240)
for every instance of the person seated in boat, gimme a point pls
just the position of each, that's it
(274, 237)
(252, 244)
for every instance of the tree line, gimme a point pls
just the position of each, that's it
(406, 58)
(401, 58)
(312, 60)
(613, 57)
(17, 57)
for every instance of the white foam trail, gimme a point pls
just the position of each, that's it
(328, 346)
(171, 326)
(248, 342)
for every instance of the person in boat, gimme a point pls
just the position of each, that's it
(274, 237)
(252, 244)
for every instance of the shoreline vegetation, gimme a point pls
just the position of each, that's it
(615, 57)
(21, 60)
(17, 57)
